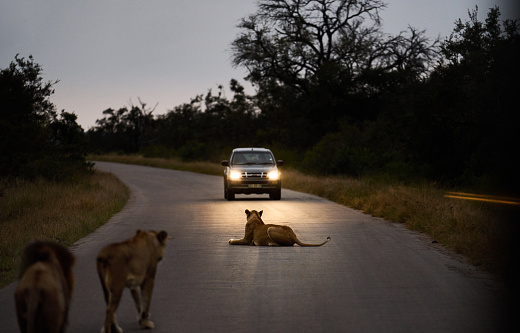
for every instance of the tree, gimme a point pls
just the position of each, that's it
(24, 115)
(464, 126)
(329, 57)
(125, 129)
(192, 130)
(34, 140)
(291, 41)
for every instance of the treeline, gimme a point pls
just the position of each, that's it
(35, 140)
(334, 95)
(337, 96)
(195, 130)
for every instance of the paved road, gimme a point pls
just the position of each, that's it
(373, 276)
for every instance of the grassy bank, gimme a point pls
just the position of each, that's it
(480, 231)
(63, 212)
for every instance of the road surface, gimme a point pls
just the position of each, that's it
(374, 276)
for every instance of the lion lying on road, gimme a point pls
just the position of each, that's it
(258, 233)
(131, 264)
(45, 288)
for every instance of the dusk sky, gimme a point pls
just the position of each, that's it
(107, 54)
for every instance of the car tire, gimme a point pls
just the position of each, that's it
(225, 190)
(230, 195)
(276, 195)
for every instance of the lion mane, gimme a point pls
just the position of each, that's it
(45, 287)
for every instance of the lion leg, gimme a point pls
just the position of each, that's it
(146, 296)
(106, 293)
(242, 241)
(136, 296)
(111, 324)
(279, 235)
(22, 309)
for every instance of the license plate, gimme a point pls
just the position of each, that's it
(254, 185)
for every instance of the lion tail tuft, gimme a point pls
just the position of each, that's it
(305, 244)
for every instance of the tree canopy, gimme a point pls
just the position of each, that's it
(324, 61)
(35, 141)
(337, 95)
(293, 41)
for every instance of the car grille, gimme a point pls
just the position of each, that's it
(253, 175)
(254, 178)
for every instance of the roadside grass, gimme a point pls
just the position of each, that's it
(482, 232)
(61, 212)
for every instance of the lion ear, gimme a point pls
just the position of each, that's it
(162, 236)
(248, 212)
(260, 213)
(138, 231)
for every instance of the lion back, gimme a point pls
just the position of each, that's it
(133, 257)
(50, 253)
(45, 286)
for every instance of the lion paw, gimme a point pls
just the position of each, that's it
(146, 324)
(115, 328)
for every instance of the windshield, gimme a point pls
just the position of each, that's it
(252, 158)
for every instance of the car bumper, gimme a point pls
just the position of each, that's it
(256, 187)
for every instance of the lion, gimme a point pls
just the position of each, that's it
(45, 287)
(130, 264)
(258, 233)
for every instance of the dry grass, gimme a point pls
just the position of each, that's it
(482, 232)
(63, 212)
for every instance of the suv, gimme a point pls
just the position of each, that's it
(252, 170)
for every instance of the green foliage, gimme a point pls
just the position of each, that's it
(193, 151)
(337, 96)
(35, 141)
(319, 62)
(464, 124)
(124, 130)
(190, 131)
(334, 155)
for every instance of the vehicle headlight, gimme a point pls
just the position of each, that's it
(273, 175)
(234, 175)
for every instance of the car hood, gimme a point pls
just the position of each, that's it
(254, 168)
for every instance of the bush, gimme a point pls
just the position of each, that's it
(35, 141)
(194, 150)
(334, 155)
(159, 151)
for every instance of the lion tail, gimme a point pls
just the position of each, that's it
(104, 276)
(305, 244)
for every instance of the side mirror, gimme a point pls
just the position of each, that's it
(279, 162)
(225, 163)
